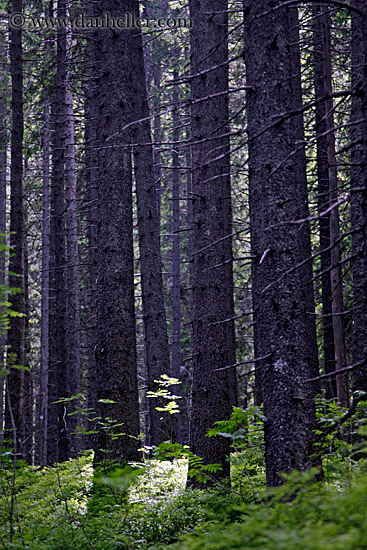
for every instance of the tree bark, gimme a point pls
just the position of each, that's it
(280, 309)
(323, 203)
(45, 290)
(59, 435)
(303, 213)
(72, 271)
(212, 340)
(91, 157)
(3, 166)
(176, 240)
(327, 171)
(359, 193)
(116, 342)
(154, 316)
(16, 333)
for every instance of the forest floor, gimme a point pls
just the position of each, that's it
(147, 507)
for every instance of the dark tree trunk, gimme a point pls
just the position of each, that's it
(303, 213)
(27, 428)
(176, 240)
(323, 203)
(359, 192)
(52, 413)
(212, 336)
(3, 165)
(282, 326)
(59, 434)
(16, 333)
(328, 183)
(72, 273)
(157, 157)
(45, 291)
(91, 156)
(154, 316)
(116, 342)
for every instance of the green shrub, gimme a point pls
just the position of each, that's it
(300, 516)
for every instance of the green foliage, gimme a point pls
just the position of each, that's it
(339, 446)
(196, 467)
(127, 507)
(146, 506)
(300, 514)
(246, 431)
(164, 383)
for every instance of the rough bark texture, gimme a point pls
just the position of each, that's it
(212, 344)
(303, 213)
(322, 39)
(359, 197)
(323, 202)
(91, 156)
(72, 272)
(16, 333)
(176, 239)
(45, 291)
(58, 432)
(278, 299)
(116, 342)
(156, 348)
(3, 164)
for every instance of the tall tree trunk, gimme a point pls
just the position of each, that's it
(359, 193)
(72, 295)
(303, 213)
(59, 435)
(278, 296)
(323, 203)
(327, 171)
(3, 165)
(27, 429)
(45, 291)
(157, 156)
(116, 346)
(212, 345)
(154, 315)
(91, 156)
(16, 333)
(176, 240)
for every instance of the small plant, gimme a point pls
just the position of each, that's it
(163, 392)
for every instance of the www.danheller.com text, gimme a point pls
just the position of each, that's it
(106, 21)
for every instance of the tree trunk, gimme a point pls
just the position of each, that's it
(72, 272)
(3, 165)
(280, 308)
(327, 171)
(59, 435)
(212, 335)
(16, 333)
(323, 203)
(154, 316)
(359, 193)
(27, 428)
(91, 156)
(176, 240)
(116, 345)
(45, 291)
(303, 213)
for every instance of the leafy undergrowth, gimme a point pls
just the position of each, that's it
(62, 509)
(299, 516)
(146, 506)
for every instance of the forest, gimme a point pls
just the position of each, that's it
(183, 274)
